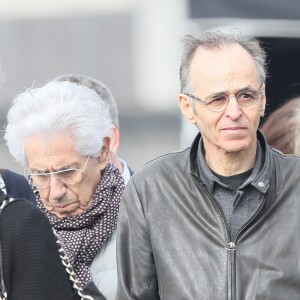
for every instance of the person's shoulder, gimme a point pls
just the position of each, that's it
(17, 185)
(12, 178)
(164, 164)
(280, 155)
(285, 161)
(8, 174)
(20, 209)
(21, 217)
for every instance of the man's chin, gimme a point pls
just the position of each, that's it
(235, 147)
(68, 210)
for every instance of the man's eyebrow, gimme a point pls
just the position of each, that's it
(45, 171)
(39, 171)
(65, 168)
(222, 93)
(215, 95)
(248, 87)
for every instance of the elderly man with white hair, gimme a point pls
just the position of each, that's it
(51, 130)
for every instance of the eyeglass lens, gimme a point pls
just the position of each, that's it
(245, 98)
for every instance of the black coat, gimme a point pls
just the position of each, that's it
(31, 263)
(17, 185)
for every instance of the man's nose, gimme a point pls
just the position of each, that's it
(233, 109)
(57, 188)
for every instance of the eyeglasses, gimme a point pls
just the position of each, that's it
(219, 102)
(68, 176)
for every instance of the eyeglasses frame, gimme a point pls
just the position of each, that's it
(259, 91)
(58, 172)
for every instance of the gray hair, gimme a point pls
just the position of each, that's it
(218, 40)
(58, 107)
(100, 88)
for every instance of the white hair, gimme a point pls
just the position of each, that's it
(58, 107)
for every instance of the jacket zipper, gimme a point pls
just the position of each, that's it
(231, 245)
(234, 243)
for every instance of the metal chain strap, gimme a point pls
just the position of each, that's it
(66, 262)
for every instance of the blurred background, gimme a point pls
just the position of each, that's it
(134, 46)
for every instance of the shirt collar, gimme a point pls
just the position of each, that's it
(126, 171)
(257, 179)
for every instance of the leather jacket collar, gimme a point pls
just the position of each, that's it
(261, 182)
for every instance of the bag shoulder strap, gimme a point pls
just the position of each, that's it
(69, 268)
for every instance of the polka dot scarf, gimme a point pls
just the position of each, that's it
(82, 236)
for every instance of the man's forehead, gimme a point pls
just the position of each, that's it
(222, 69)
(54, 163)
(56, 151)
(60, 142)
(211, 58)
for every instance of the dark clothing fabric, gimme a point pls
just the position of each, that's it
(17, 185)
(239, 204)
(32, 267)
(173, 242)
(91, 290)
(234, 181)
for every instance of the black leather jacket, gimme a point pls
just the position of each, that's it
(173, 242)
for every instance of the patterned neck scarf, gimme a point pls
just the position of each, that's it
(83, 235)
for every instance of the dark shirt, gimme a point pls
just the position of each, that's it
(237, 203)
(234, 181)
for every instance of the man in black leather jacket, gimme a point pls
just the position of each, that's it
(217, 220)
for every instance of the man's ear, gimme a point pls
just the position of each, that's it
(186, 108)
(115, 141)
(104, 156)
(263, 100)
